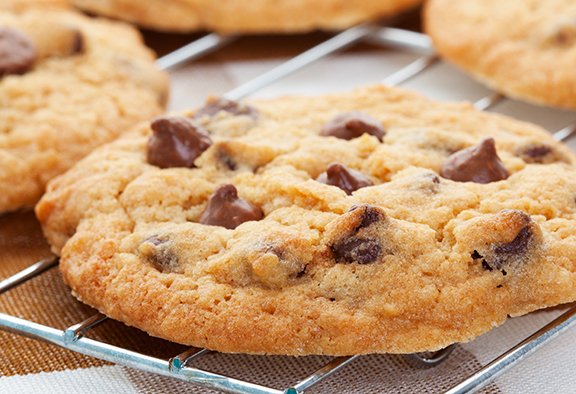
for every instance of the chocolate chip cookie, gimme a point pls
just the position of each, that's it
(21, 5)
(256, 16)
(524, 49)
(68, 83)
(274, 227)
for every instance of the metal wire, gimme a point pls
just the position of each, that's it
(565, 133)
(194, 50)
(178, 367)
(28, 273)
(409, 71)
(517, 354)
(337, 43)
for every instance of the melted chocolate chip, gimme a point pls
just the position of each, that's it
(346, 179)
(358, 250)
(353, 124)
(160, 256)
(154, 240)
(564, 34)
(232, 107)
(223, 157)
(479, 163)
(475, 255)
(517, 246)
(370, 215)
(362, 245)
(538, 151)
(228, 210)
(486, 266)
(176, 142)
(502, 254)
(541, 154)
(79, 45)
(17, 52)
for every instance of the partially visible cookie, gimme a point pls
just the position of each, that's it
(68, 83)
(524, 49)
(237, 16)
(21, 5)
(232, 228)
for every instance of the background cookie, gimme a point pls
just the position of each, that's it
(68, 83)
(259, 247)
(21, 5)
(260, 16)
(524, 49)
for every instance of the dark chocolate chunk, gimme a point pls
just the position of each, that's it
(232, 107)
(228, 210)
(160, 256)
(343, 177)
(479, 163)
(17, 52)
(362, 245)
(176, 142)
(353, 124)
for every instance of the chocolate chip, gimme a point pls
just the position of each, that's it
(232, 107)
(541, 154)
(362, 245)
(369, 215)
(223, 157)
(353, 124)
(154, 240)
(79, 45)
(538, 151)
(228, 210)
(17, 52)
(157, 252)
(358, 250)
(475, 255)
(343, 177)
(176, 142)
(563, 34)
(518, 244)
(479, 163)
(501, 254)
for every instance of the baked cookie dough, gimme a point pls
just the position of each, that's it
(21, 5)
(68, 83)
(524, 49)
(369, 221)
(238, 16)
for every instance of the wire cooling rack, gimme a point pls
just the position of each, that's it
(178, 367)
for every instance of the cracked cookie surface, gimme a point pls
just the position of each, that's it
(407, 262)
(68, 83)
(524, 49)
